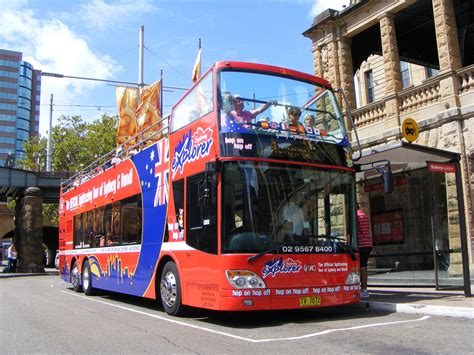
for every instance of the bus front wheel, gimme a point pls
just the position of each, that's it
(170, 289)
(87, 279)
(75, 277)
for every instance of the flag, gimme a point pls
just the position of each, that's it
(197, 67)
(149, 112)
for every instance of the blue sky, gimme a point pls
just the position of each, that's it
(99, 39)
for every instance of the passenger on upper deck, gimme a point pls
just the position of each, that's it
(116, 159)
(309, 122)
(294, 114)
(240, 115)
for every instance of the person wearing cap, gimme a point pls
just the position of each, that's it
(240, 115)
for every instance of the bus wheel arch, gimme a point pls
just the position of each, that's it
(75, 276)
(169, 287)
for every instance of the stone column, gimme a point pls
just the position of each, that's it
(449, 55)
(393, 77)
(317, 63)
(333, 64)
(346, 73)
(29, 230)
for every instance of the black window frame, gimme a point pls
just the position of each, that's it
(201, 217)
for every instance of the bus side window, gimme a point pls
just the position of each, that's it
(201, 219)
(131, 225)
(78, 231)
(178, 219)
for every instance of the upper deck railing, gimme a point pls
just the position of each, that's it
(142, 140)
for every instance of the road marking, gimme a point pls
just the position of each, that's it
(250, 340)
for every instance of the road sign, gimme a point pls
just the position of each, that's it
(410, 129)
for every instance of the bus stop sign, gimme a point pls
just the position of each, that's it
(410, 129)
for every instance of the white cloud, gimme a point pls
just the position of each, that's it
(51, 46)
(101, 15)
(322, 5)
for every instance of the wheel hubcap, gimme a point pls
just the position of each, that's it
(75, 276)
(168, 289)
(85, 278)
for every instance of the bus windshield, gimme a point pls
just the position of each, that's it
(269, 205)
(275, 105)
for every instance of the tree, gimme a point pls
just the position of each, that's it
(75, 144)
(35, 154)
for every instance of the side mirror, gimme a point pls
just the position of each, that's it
(387, 181)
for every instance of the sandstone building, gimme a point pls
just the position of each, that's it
(408, 59)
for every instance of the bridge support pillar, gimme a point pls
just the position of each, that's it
(29, 230)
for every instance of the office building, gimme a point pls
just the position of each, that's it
(20, 89)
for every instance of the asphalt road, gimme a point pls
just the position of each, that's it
(42, 314)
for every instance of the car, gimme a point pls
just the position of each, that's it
(56, 260)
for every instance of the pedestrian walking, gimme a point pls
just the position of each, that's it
(364, 245)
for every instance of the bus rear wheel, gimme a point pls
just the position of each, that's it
(87, 279)
(170, 290)
(75, 277)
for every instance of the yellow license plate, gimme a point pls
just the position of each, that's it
(310, 301)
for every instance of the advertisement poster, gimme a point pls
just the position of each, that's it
(387, 227)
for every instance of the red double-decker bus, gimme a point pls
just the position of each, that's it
(247, 202)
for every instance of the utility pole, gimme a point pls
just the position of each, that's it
(140, 57)
(48, 146)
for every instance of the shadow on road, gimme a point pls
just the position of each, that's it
(249, 319)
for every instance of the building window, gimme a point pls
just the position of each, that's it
(369, 84)
(405, 74)
(431, 72)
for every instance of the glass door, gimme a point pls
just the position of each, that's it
(445, 226)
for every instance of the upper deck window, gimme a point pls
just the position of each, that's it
(197, 103)
(262, 103)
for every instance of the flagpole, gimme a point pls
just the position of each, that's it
(161, 93)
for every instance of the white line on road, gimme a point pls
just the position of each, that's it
(239, 337)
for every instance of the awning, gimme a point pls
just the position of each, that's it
(402, 156)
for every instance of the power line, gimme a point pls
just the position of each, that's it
(172, 67)
(78, 105)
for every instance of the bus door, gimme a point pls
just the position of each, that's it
(200, 267)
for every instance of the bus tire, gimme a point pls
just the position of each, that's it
(75, 277)
(170, 290)
(87, 279)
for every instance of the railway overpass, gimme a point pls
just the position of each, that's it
(31, 189)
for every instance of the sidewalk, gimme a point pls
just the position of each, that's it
(427, 301)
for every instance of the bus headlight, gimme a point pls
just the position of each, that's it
(353, 278)
(244, 279)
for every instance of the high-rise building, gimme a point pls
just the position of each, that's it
(20, 89)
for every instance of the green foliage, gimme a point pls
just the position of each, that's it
(75, 144)
(50, 214)
(11, 204)
(35, 154)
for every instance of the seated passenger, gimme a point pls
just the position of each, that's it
(240, 115)
(294, 114)
(309, 123)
